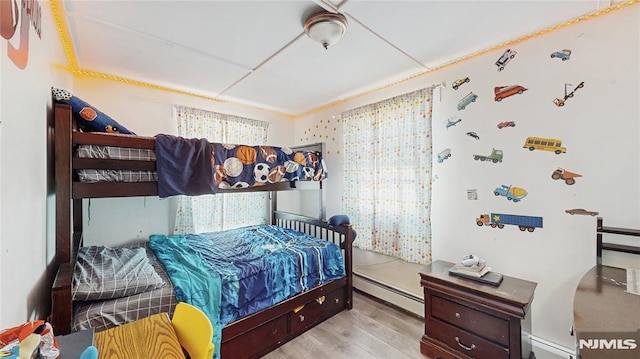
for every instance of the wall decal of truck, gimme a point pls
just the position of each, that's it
(568, 177)
(495, 156)
(444, 155)
(524, 223)
(545, 144)
(512, 193)
(567, 94)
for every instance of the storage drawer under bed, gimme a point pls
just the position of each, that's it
(316, 310)
(248, 346)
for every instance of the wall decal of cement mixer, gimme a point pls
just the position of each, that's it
(512, 193)
(568, 177)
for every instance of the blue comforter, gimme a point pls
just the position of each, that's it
(234, 273)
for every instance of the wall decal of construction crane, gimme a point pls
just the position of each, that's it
(567, 94)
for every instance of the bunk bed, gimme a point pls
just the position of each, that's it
(270, 327)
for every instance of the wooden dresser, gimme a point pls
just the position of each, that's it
(467, 319)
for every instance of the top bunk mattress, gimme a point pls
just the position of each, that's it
(116, 153)
(194, 167)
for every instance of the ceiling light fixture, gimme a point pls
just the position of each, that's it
(326, 28)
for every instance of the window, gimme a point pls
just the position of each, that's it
(387, 175)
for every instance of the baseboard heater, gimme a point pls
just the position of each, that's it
(389, 288)
(551, 347)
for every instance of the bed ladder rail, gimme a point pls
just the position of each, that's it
(602, 246)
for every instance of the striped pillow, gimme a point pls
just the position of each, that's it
(113, 272)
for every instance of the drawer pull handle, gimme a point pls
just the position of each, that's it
(337, 300)
(473, 346)
(302, 318)
(458, 315)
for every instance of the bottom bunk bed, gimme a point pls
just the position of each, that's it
(249, 336)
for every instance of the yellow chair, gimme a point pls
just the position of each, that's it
(194, 331)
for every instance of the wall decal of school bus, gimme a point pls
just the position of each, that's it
(545, 144)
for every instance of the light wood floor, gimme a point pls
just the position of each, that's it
(370, 330)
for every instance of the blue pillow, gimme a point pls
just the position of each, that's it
(88, 118)
(339, 219)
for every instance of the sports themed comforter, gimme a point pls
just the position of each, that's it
(195, 166)
(234, 273)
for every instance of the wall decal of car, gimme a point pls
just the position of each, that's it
(459, 82)
(452, 121)
(501, 92)
(465, 101)
(507, 56)
(564, 54)
(581, 211)
(504, 124)
(474, 135)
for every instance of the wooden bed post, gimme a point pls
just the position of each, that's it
(347, 245)
(63, 180)
(599, 241)
(61, 302)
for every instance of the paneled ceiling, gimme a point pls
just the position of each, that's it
(256, 52)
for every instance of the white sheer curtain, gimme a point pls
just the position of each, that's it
(220, 211)
(387, 175)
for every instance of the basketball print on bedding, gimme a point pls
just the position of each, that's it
(299, 158)
(247, 155)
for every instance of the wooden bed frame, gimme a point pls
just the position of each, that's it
(249, 337)
(601, 230)
(601, 303)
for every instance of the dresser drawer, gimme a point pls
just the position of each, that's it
(475, 321)
(437, 350)
(467, 343)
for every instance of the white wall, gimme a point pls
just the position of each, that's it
(599, 126)
(27, 209)
(148, 112)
